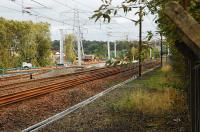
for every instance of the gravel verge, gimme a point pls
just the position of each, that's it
(102, 116)
(24, 114)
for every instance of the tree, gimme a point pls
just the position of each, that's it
(43, 42)
(69, 52)
(165, 25)
(97, 48)
(24, 41)
(134, 52)
(56, 45)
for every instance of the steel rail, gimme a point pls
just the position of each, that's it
(68, 83)
(45, 80)
(107, 72)
(4, 100)
(15, 77)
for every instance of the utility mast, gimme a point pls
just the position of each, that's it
(115, 48)
(61, 47)
(108, 46)
(79, 48)
(83, 53)
(77, 32)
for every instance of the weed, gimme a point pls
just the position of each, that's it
(166, 69)
(80, 130)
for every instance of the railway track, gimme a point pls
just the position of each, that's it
(13, 77)
(27, 76)
(27, 73)
(20, 76)
(47, 80)
(70, 81)
(53, 80)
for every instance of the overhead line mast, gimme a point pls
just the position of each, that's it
(77, 31)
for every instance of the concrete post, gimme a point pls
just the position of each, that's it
(108, 44)
(61, 47)
(79, 51)
(115, 48)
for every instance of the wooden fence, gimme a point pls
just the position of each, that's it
(189, 31)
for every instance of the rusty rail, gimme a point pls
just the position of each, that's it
(71, 82)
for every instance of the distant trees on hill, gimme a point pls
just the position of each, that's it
(99, 48)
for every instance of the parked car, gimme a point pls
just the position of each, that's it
(26, 65)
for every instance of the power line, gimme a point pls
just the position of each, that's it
(63, 4)
(60, 3)
(42, 16)
(83, 4)
(39, 3)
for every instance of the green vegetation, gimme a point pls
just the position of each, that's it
(165, 26)
(148, 105)
(24, 42)
(69, 48)
(142, 100)
(56, 45)
(99, 49)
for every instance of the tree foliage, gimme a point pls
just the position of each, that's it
(165, 25)
(69, 48)
(24, 41)
(97, 48)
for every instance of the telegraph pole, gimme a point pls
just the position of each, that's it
(140, 42)
(186, 3)
(150, 54)
(161, 49)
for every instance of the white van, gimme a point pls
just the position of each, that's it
(26, 65)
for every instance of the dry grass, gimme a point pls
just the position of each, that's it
(166, 69)
(150, 101)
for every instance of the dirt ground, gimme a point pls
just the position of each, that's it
(117, 112)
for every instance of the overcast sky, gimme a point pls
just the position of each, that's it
(57, 11)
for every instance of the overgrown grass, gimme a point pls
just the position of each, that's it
(154, 95)
(161, 79)
(148, 101)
